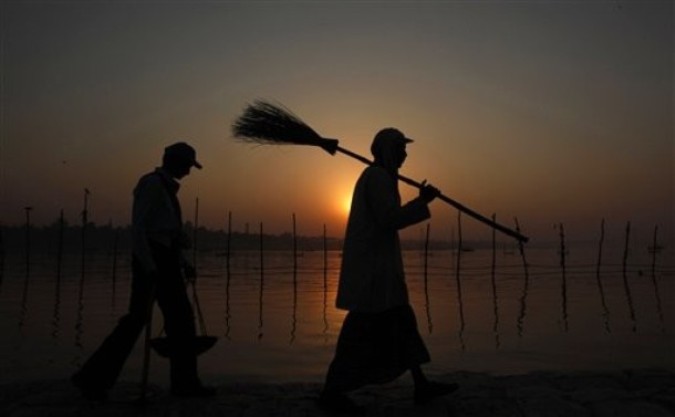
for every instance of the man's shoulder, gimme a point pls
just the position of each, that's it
(374, 170)
(150, 179)
(377, 173)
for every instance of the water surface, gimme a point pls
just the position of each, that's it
(279, 323)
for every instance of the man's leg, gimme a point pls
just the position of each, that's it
(416, 354)
(180, 331)
(180, 328)
(340, 378)
(101, 370)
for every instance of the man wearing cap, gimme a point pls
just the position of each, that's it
(158, 269)
(379, 339)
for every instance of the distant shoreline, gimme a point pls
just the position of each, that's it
(107, 237)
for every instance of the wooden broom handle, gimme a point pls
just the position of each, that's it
(509, 232)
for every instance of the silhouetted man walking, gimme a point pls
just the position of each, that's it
(379, 339)
(158, 269)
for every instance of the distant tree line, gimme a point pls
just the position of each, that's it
(102, 238)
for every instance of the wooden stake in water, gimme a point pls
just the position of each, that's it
(79, 323)
(563, 251)
(654, 250)
(228, 314)
(325, 280)
(325, 254)
(427, 304)
(460, 303)
(27, 234)
(24, 298)
(295, 245)
(605, 310)
(493, 280)
(59, 246)
(626, 286)
(85, 221)
(57, 291)
(600, 243)
(625, 249)
(295, 282)
(526, 284)
(228, 253)
(262, 285)
(261, 250)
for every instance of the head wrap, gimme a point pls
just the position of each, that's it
(386, 147)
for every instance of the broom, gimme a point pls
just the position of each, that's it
(269, 124)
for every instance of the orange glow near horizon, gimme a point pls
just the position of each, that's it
(347, 205)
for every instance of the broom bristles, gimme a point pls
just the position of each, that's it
(266, 123)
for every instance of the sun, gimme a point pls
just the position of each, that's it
(346, 204)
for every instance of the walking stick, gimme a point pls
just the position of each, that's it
(266, 123)
(147, 345)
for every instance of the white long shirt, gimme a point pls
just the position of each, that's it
(372, 278)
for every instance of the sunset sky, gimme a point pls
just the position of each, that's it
(553, 112)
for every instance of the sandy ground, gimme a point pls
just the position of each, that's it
(647, 393)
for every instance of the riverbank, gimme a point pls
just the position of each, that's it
(645, 393)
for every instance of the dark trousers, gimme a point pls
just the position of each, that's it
(102, 369)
